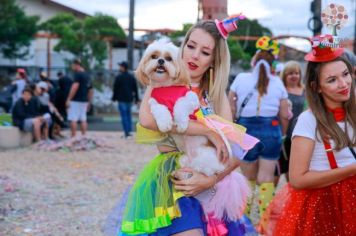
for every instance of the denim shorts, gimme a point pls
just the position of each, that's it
(268, 131)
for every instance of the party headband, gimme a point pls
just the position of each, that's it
(268, 44)
(327, 47)
(228, 25)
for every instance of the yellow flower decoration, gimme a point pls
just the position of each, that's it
(266, 43)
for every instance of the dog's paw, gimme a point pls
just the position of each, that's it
(193, 100)
(182, 125)
(161, 115)
(165, 125)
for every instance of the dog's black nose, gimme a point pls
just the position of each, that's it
(160, 62)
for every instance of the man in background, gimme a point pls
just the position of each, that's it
(64, 86)
(79, 98)
(125, 92)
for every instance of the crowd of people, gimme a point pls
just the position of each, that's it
(43, 107)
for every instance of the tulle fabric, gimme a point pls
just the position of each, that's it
(237, 138)
(325, 211)
(152, 201)
(230, 198)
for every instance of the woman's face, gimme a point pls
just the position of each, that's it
(198, 53)
(293, 77)
(335, 83)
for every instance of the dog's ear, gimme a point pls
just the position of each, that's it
(140, 74)
(183, 76)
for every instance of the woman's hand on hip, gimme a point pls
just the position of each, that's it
(197, 183)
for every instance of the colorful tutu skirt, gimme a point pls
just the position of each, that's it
(324, 211)
(153, 207)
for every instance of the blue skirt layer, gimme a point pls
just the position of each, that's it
(192, 218)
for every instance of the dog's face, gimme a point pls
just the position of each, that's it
(162, 66)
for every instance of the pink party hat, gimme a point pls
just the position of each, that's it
(228, 25)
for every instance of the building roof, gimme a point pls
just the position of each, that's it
(66, 8)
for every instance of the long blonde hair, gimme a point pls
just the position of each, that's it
(291, 66)
(326, 123)
(221, 65)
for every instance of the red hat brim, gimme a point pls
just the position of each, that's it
(324, 58)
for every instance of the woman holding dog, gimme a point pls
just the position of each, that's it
(206, 56)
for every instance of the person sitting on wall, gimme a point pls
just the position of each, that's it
(26, 116)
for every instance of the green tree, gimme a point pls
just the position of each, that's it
(86, 39)
(249, 27)
(238, 54)
(180, 33)
(16, 30)
(100, 30)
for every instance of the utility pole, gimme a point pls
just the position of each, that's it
(315, 24)
(130, 39)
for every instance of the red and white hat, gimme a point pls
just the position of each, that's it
(324, 48)
(228, 25)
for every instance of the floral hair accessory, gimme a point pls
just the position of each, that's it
(268, 44)
(228, 25)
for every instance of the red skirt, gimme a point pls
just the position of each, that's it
(324, 211)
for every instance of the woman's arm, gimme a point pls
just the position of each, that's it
(200, 182)
(299, 174)
(233, 100)
(283, 115)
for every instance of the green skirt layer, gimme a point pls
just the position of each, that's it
(152, 201)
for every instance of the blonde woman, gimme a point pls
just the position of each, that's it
(292, 80)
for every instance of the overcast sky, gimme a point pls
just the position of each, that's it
(281, 16)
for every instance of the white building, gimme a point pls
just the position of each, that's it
(41, 54)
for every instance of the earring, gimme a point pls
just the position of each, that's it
(211, 78)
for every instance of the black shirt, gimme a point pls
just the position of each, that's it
(84, 85)
(22, 111)
(64, 85)
(125, 88)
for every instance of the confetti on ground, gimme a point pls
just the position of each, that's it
(66, 193)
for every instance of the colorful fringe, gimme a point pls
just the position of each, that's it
(240, 142)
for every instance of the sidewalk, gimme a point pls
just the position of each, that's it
(105, 122)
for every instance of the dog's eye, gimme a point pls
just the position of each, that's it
(168, 58)
(154, 56)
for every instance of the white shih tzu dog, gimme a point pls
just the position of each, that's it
(172, 104)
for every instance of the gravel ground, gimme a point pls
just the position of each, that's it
(66, 193)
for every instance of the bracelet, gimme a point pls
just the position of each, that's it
(213, 189)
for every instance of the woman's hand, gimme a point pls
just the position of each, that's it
(195, 184)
